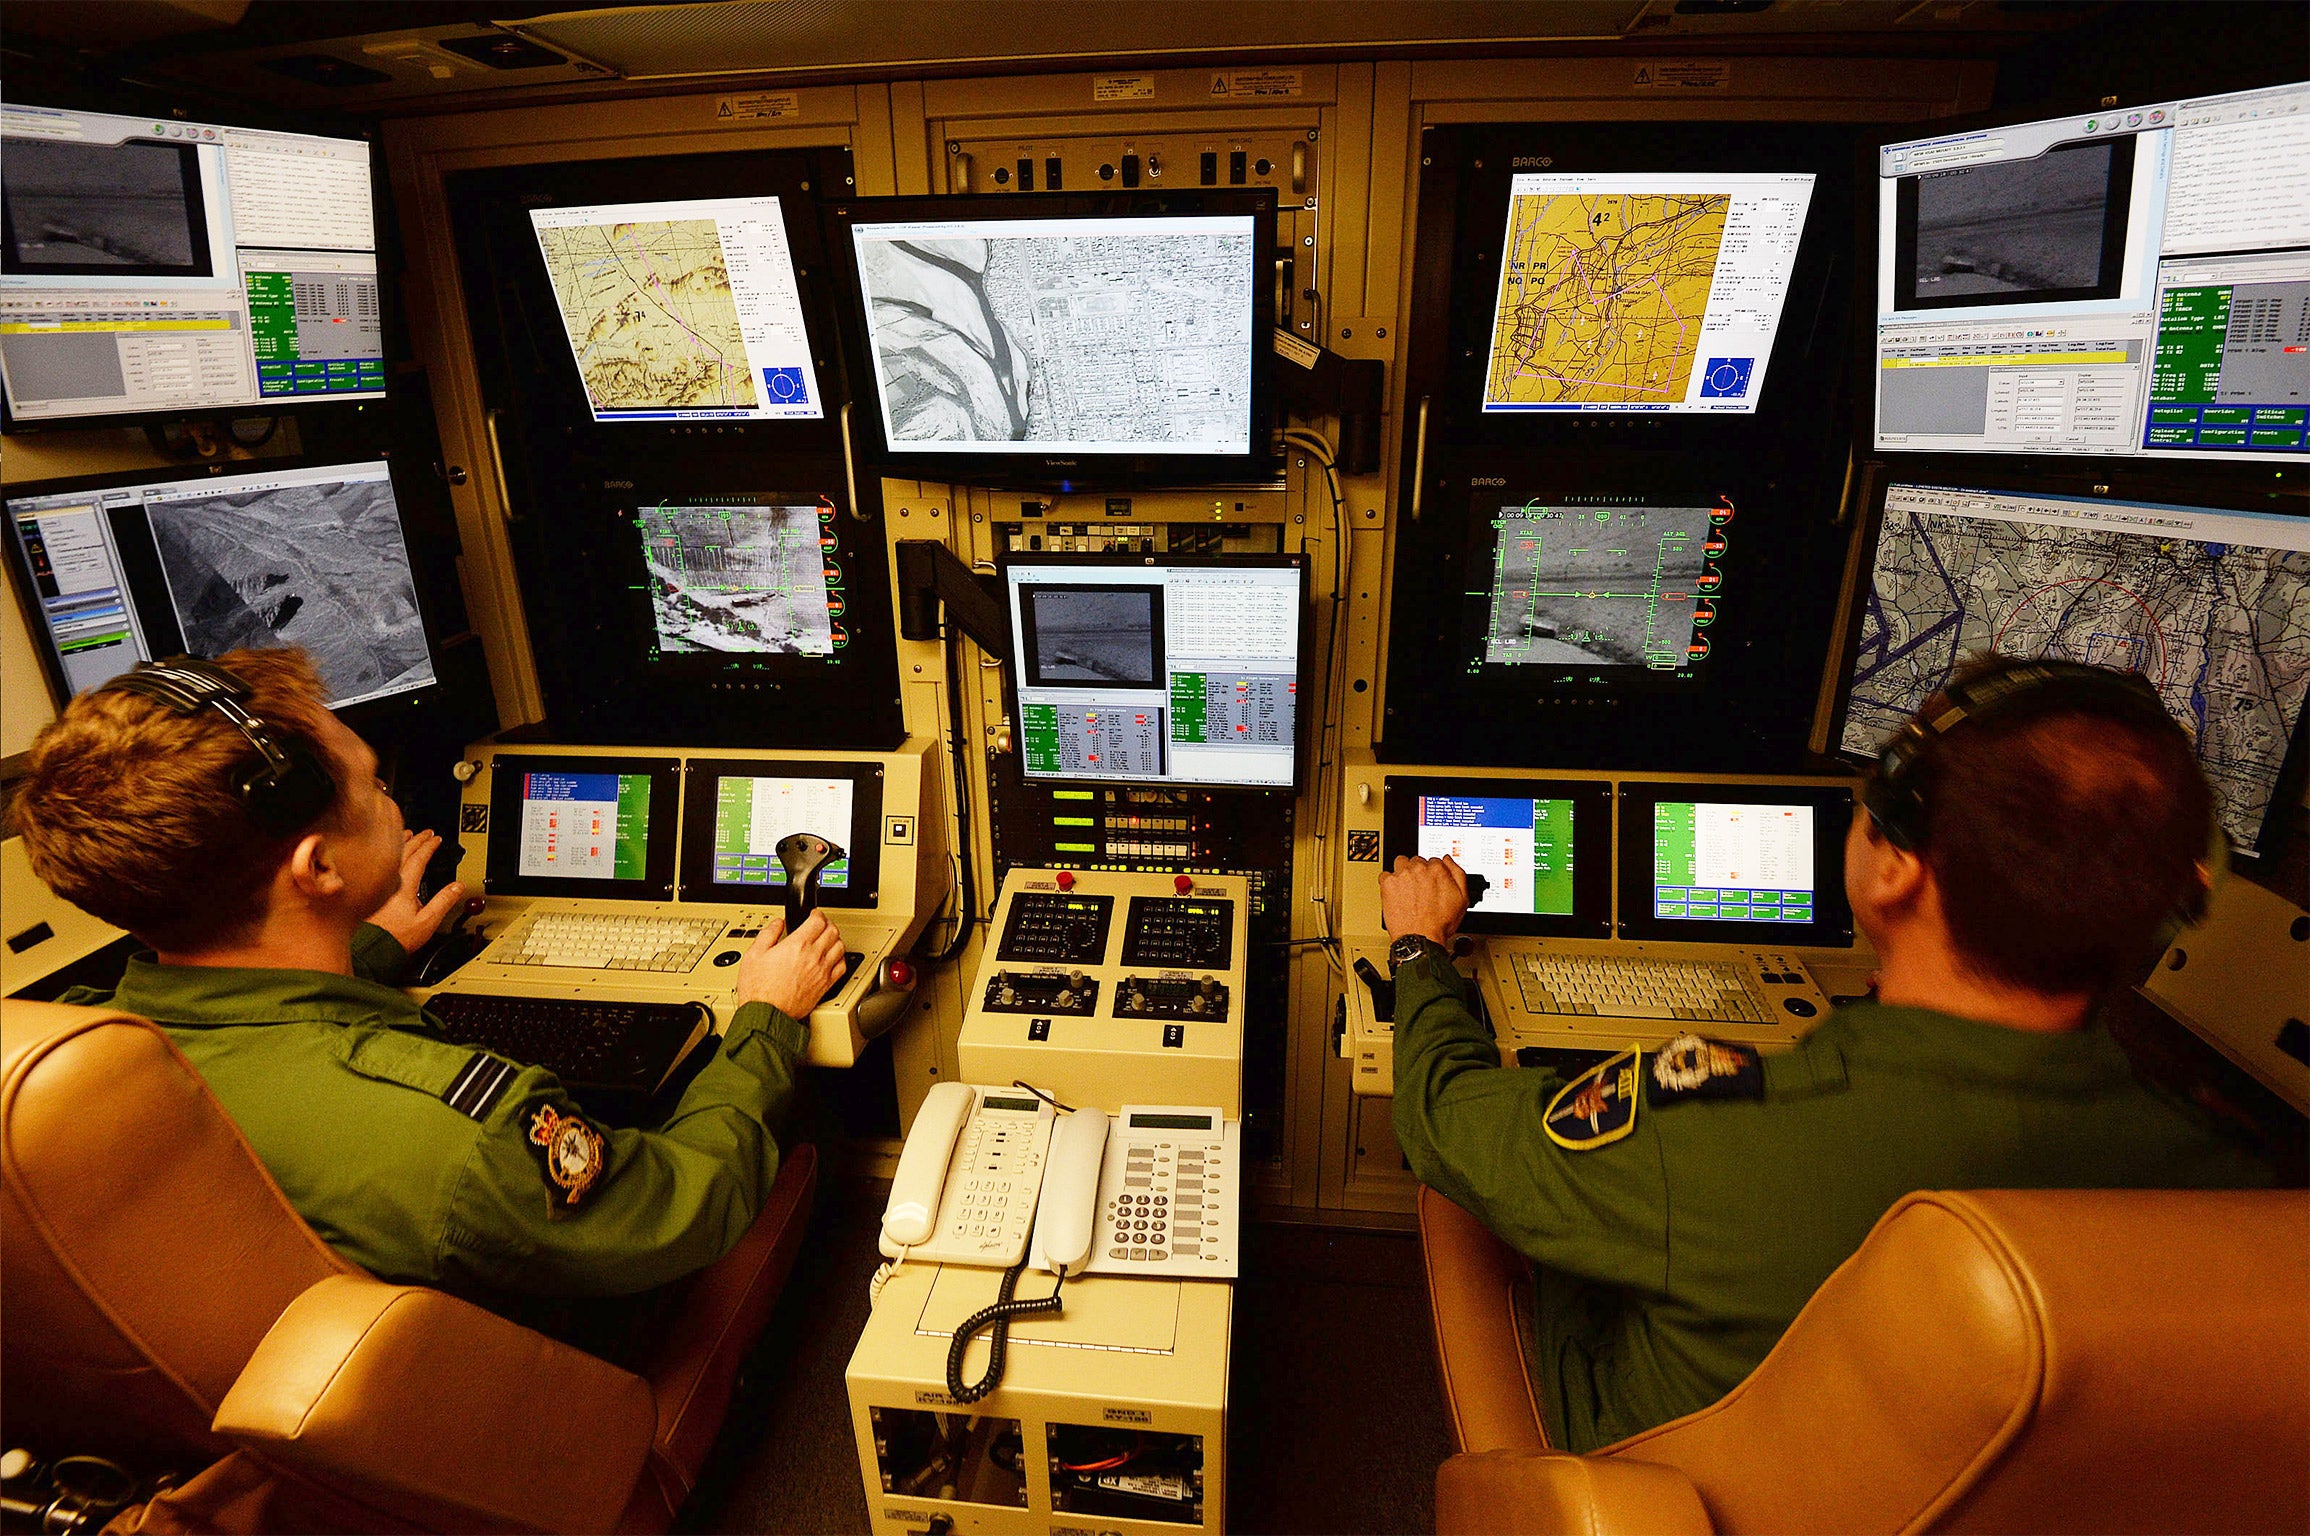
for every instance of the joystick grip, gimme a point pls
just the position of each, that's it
(804, 856)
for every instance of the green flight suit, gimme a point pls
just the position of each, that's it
(1669, 1261)
(348, 1100)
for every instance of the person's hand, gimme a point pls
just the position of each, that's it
(791, 971)
(1424, 896)
(410, 924)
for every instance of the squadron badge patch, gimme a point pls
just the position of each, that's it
(1598, 1107)
(571, 1152)
(1689, 1067)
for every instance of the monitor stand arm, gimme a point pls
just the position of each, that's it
(804, 856)
(929, 575)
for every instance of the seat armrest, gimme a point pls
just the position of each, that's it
(1472, 1283)
(1503, 1491)
(440, 1413)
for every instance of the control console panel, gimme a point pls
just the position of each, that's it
(1105, 988)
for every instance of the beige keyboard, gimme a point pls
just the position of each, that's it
(1614, 987)
(611, 941)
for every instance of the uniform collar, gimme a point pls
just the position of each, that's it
(218, 996)
(1944, 1045)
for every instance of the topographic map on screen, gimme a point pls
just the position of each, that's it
(2212, 607)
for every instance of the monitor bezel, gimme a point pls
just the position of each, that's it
(1071, 471)
(307, 407)
(35, 623)
(1591, 914)
(702, 778)
(1832, 806)
(842, 527)
(1302, 671)
(503, 860)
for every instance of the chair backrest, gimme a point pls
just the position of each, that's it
(144, 1250)
(2103, 1360)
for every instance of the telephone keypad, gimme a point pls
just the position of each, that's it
(1160, 1212)
(989, 1207)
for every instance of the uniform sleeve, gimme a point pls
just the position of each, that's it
(527, 1216)
(1474, 1132)
(378, 956)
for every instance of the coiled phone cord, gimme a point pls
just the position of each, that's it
(998, 1344)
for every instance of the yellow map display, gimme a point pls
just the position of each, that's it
(650, 314)
(1601, 298)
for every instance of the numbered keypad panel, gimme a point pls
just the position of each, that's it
(1168, 1205)
(991, 1199)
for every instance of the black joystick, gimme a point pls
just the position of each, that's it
(804, 856)
(1477, 886)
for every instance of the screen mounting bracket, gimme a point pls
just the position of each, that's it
(929, 574)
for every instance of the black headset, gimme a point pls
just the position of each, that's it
(1896, 794)
(282, 785)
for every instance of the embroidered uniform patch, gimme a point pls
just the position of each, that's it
(1689, 1067)
(1598, 1107)
(572, 1153)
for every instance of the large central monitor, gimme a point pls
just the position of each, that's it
(2212, 606)
(1065, 337)
(681, 311)
(124, 569)
(1642, 291)
(1160, 670)
(2132, 283)
(152, 267)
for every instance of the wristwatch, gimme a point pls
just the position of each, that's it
(1410, 947)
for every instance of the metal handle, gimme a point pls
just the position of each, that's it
(1298, 166)
(1283, 272)
(849, 464)
(497, 468)
(962, 171)
(1420, 458)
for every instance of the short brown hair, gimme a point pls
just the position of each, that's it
(128, 810)
(2064, 833)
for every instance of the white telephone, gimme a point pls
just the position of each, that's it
(967, 1181)
(1152, 1193)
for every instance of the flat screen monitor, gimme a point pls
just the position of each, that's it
(583, 826)
(737, 810)
(151, 268)
(1642, 291)
(739, 577)
(1543, 846)
(129, 570)
(1160, 669)
(2130, 283)
(1607, 588)
(1731, 862)
(1064, 337)
(2212, 606)
(681, 311)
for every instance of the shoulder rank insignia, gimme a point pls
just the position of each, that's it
(478, 1086)
(572, 1153)
(1689, 1067)
(1598, 1107)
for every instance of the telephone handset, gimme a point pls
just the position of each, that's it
(1163, 1186)
(968, 1178)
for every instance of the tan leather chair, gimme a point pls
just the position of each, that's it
(2078, 1360)
(165, 1302)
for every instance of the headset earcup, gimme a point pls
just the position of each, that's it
(283, 804)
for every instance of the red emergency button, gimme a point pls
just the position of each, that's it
(1183, 883)
(1066, 879)
(898, 975)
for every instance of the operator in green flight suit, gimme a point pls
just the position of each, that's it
(420, 1161)
(1681, 1207)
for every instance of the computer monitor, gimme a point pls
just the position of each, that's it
(1061, 337)
(583, 826)
(2208, 604)
(1642, 291)
(681, 311)
(1601, 588)
(2131, 283)
(736, 811)
(150, 268)
(1731, 862)
(1169, 670)
(740, 577)
(1543, 845)
(123, 569)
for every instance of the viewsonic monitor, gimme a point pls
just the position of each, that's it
(155, 267)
